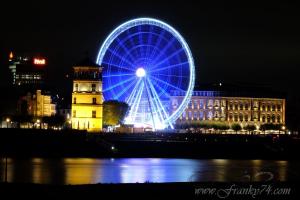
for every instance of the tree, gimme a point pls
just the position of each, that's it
(236, 127)
(114, 112)
(250, 128)
(55, 120)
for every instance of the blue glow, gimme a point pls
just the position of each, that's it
(144, 60)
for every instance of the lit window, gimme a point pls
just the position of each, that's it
(93, 87)
(190, 115)
(195, 115)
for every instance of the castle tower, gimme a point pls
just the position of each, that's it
(87, 98)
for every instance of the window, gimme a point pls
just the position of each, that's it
(273, 118)
(93, 114)
(269, 108)
(273, 107)
(184, 115)
(74, 113)
(190, 114)
(195, 104)
(210, 103)
(93, 87)
(201, 115)
(195, 115)
(268, 118)
(241, 117)
(246, 118)
(235, 117)
(263, 119)
(74, 100)
(210, 115)
(94, 100)
(241, 106)
(263, 107)
(76, 87)
(278, 108)
(278, 119)
(201, 103)
(246, 106)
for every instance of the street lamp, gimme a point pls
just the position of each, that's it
(7, 122)
(283, 128)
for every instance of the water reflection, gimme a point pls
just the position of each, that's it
(141, 170)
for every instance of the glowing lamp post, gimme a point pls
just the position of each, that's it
(7, 122)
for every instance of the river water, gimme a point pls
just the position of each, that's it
(141, 170)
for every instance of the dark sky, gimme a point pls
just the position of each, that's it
(232, 43)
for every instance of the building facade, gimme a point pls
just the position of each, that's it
(27, 70)
(216, 106)
(87, 98)
(37, 105)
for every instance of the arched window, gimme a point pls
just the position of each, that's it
(278, 107)
(273, 107)
(263, 118)
(235, 117)
(273, 118)
(268, 119)
(241, 106)
(241, 117)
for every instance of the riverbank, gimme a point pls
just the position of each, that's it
(50, 143)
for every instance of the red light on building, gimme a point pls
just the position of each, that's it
(39, 61)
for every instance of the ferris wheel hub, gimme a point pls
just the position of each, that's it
(140, 72)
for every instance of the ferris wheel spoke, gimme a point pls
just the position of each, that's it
(133, 92)
(160, 38)
(171, 75)
(130, 36)
(149, 42)
(121, 57)
(125, 49)
(117, 66)
(136, 103)
(169, 57)
(156, 68)
(162, 90)
(116, 75)
(160, 106)
(162, 52)
(168, 84)
(125, 89)
(118, 84)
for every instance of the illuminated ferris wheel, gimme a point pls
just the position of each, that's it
(144, 61)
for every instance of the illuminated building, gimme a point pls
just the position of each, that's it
(37, 105)
(27, 70)
(231, 108)
(87, 99)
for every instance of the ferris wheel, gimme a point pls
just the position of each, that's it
(144, 62)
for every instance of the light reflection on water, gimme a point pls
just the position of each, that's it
(141, 170)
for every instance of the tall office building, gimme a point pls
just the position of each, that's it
(27, 70)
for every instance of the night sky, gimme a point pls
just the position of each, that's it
(249, 43)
